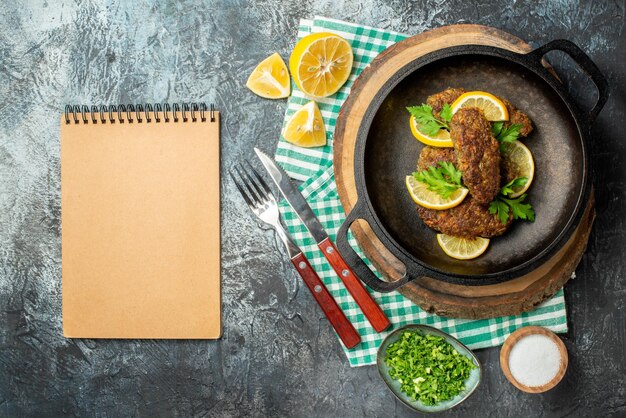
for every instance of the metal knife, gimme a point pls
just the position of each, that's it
(261, 201)
(368, 305)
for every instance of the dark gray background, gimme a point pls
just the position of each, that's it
(278, 355)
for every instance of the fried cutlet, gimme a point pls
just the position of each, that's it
(508, 171)
(449, 95)
(469, 219)
(516, 116)
(437, 100)
(477, 153)
(432, 156)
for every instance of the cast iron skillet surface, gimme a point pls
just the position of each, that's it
(391, 154)
(387, 152)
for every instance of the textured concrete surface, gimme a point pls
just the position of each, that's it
(278, 356)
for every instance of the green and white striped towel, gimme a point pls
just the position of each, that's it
(314, 166)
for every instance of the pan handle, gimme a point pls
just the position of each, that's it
(359, 267)
(584, 62)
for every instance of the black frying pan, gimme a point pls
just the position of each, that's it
(386, 152)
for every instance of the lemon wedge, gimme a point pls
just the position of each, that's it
(493, 108)
(270, 79)
(519, 156)
(321, 63)
(442, 139)
(422, 196)
(462, 248)
(305, 128)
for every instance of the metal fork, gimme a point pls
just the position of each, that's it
(261, 201)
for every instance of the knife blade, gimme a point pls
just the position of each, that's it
(290, 192)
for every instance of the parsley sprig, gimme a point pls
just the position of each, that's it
(505, 134)
(518, 182)
(426, 120)
(427, 367)
(444, 180)
(446, 113)
(502, 205)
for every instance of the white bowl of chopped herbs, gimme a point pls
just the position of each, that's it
(427, 369)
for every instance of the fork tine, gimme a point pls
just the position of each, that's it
(262, 196)
(241, 190)
(246, 180)
(260, 179)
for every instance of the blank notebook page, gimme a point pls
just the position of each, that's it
(140, 213)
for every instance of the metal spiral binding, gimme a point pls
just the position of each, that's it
(94, 110)
(157, 110)
(166, 112)
(121, 109)
(112, 109)
(185, 110)
(130, 113)
(84, 113)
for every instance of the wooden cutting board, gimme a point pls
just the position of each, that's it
(445, 299)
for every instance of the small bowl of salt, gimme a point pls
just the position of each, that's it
(533, 359)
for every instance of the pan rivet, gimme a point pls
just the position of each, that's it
(345, 273)
(302, 265)
(330, 250)
(317, 288)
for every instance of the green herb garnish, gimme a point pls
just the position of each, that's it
(426, 121)
(504, 135)
(428, 368)
(502, 205)
(507, 189)
(444, 180)
(446, 113)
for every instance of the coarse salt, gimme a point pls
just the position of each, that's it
(534, 360)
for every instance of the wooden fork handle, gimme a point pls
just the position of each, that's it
(349, 336)
(368, 305)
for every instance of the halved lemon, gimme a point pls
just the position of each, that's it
(321, 63)
(270, 79)
(442, 139)
(462, 248)
(306, 128)
(493, 108)
(432, 200)
(520, 157)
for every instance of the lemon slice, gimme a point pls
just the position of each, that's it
(519, 156)
(432, 200)
(462, 248)
(270, 79)
(321, 63)
(305, 128)
(492, 107)
(442, 139)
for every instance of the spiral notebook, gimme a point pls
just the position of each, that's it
(140, 219)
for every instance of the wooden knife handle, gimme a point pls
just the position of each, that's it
(333, 312)
(368, 305)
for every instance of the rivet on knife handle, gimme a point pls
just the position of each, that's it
(368, 305)
(335, 315)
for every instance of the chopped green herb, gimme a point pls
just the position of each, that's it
(426, 121)
(428, 368)
(502, 205)
(444, 180)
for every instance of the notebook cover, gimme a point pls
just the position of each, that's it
(140, 216)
